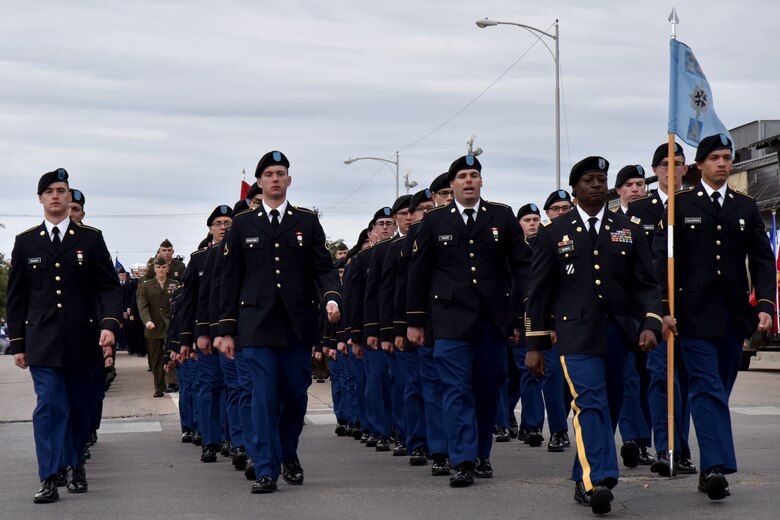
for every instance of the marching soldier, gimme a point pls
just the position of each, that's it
(176, 267)
(272, 260)
(650, 210)
(592, 283)
(459, 270)
(716, 229)
(61, 274)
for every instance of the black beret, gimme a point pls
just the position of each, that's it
(441, 182)
(340, 263)
(254, 190)
(632, 171)
(240, 206)
(711, 143)
(467, 162)
(77, 196)
(594, 163)
(223, 210)
(271, 159)
(400, 203)
(166, 243)
(420, 197)
(361, 238)
(205, 241)
(386, 212)
(528, 209)
(47, 179)
(556, 196)
(663, 151)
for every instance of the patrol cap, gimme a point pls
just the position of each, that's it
(47, 179)
(77, 197)
(401, 203)
(712, 143)
(594, 163)
(240, 206)
(223, 210)
(556, 196)
(386, 212)
(632, 171)
(420, 197)
(166, 243)
(272, 158)
(159, 260)
(467, 162)
(528, 209)
(441, 182)
(254, 190)
(663, 151)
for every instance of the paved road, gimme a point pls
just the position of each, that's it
(139, 469)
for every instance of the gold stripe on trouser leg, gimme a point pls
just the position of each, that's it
(581, 455)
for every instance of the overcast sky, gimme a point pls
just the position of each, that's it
(155, 107)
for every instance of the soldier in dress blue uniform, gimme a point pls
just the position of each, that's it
(592, 283)
(61, 275)
(275, 262)
(716, 229)
(649, 210)
(464, 257)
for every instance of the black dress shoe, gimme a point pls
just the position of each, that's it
(564, 435)
(77, 483)
(341, 430)
(186, 437)
(209, 453)
(61, 478)
(661, 465)
(645, 459)
(249, 469)
(239, 458)
(371, 441)
(225, 449)
(357, 433)
(86, 454)
(48, 492)
(463, 476)
(555, 444)
(400, 449)
(382, 444)
(197, 439)
(714, 484)
(483, 469)
(598, 498)
(534, 438)
(513, 429)
(158, 394)
(292, 472)
(418, 457)
(264, 485)
(522, 435)
(92, 438)
(630, 454)
(441, 465)
(502, 435)
(685, 467)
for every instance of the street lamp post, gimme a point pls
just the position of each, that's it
(350, 160)
(537, 32)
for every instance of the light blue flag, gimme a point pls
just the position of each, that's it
(691, 111)
(773, 235)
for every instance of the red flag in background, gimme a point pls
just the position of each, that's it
(244, 186)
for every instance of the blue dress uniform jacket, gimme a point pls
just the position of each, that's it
(268, 278)
(373, 283)
(649, 210)
(189, 300)
(388, 313)
(710, 252)
(356, 277)
(453, 270)
(58, 301)
(570, 273)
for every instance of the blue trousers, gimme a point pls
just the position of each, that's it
(396, 396)
(281, 378)
(211, 386)
(232, 396)
(356, 390)
(712, 370)
(471, 374)
(413, 404)
(245, 388)
(99, 375)
(63, 416)
(336, 390)
(435, 431)
(536, 393)
(596, 384)
(657, 396)
(632, 423)
(378, 404)
(186, 395)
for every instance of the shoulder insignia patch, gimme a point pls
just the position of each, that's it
(546, 223)
(636, 220)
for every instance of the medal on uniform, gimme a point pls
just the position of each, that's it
(565, 245)
(495, 233)
(742, 224)
(299, 236)
(80, 257)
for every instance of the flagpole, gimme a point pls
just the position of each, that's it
(777, 289)
(671, 171)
